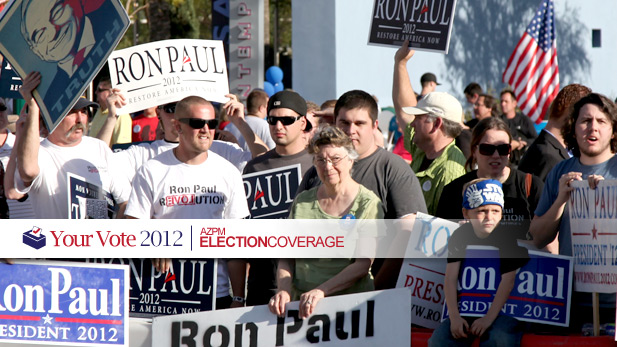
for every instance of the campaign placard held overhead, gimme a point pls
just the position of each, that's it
(67, 42)
(65, 304)
(593, 224)
(426, 24)
(161, 72)
(9, 81)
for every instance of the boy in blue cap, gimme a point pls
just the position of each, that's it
(482, 207)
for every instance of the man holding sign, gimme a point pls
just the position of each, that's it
(590, 134)
(45, 168)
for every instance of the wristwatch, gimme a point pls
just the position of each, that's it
(238, 299)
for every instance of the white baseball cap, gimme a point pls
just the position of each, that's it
(438, 104)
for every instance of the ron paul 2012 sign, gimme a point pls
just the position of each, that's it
(427, 24)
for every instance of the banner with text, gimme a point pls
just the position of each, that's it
(427, 25)
(160, 72)
(424, 268)
(9, 81)
(364, 319)
(64, 304)
(269, 193)
(189, 286)
(593, 225)
(541, 292)
(246, 46)
(68, 51)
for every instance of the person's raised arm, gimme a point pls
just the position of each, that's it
(28, 142)
(235, 114)
(115, 100)
(402, 92)
(544, 228)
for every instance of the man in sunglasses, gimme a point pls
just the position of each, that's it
(45, 167)
(190, 181)
(289, 158)
(137, 155)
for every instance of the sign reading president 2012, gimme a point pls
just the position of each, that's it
(64, 304)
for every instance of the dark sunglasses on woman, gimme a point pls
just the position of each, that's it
(487, 149)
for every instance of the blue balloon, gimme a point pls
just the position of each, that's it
(278, 87)
(269, 88)
(274, 74)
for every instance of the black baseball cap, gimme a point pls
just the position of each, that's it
(429, 77)
(292, 101)
(83, 103)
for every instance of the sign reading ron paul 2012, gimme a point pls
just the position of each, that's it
(64, 304)
(188, 286)
(593, 225)
(378, 318)
(270, 193)
(166, 71)
(426, 24)
(541, 292)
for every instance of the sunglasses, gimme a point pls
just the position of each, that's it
(284, 120)
(169, 108)
(198, 123)
(486, 149)
(2, 108)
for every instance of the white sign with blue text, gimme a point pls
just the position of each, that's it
(63, 303)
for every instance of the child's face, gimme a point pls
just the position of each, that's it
(484, 219)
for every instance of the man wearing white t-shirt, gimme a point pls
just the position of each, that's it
(190, 181)
(44, 168)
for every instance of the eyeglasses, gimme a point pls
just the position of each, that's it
(169, 108)
(100, 90)
(284, 120)
(198, 123)
(324, 161)
(486, 149)
(2, 108)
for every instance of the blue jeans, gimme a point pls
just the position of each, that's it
(504, 332)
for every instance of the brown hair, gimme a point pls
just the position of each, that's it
(564, 102)
(606, 106)
(357, 99)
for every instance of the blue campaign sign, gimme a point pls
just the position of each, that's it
(269, 193)
(67, 42)
(89, 201)
(189, 286)
(541, 293)
(64, 304)
(9, 81)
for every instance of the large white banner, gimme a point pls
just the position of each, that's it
(593, 224)
(379, 318)
(424, 267)
(160, 72)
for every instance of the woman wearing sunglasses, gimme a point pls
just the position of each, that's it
(338, 197)
(490, 156)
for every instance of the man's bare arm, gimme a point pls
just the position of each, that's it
(402, 92)
(28, 142)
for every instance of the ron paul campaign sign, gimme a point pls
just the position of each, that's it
(541, 292)
(166, 71)
(9, 81)
(67, 42)
(269, 193)
(189, 286)
(426, 24)
(379, 318)
(64, 304)
(593, 225)
(424, 268)
(89, 201)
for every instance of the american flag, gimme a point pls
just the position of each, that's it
(532, 69)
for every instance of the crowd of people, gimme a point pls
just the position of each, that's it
(345, 171)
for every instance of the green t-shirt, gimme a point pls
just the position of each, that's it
(310, 273)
